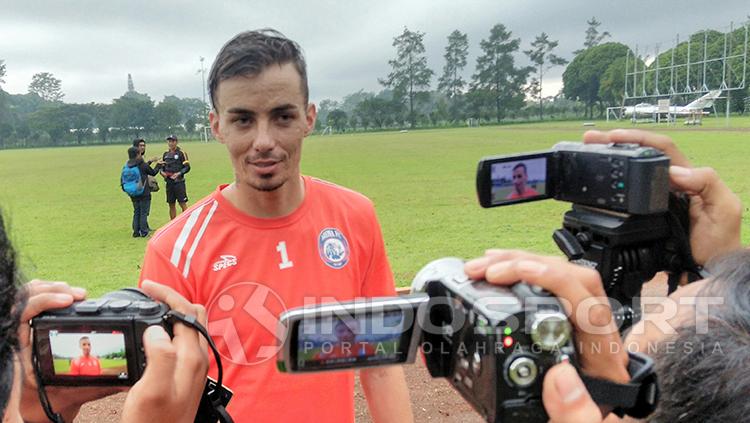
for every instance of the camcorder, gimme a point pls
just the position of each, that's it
(495, 344)
(99, 342)
(492, 343)
(624, 222)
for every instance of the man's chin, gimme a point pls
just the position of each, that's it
(267, 185)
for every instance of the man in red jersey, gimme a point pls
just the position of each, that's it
(274, 239)
(86, 364)
(520, 189)
(346, 345)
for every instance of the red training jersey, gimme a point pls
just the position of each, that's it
(85, 366)
(246, 271)
(528, 192)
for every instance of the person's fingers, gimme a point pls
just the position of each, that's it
(190, 344)
(476, 269)
(591, 315)
(565, 397)
(176, 302)
(162, 361)
(705, 183)
(43, 302)
(638, 136)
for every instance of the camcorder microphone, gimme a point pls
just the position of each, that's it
(112, 326)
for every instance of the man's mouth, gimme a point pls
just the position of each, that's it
(264, 166)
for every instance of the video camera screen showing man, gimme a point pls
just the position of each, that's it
(519, 180)
(89, 354)
(330, 341)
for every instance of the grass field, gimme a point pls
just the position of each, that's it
(71, 222)
(110, 366)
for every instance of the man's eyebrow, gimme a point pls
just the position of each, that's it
(284, 108)
(240, 111)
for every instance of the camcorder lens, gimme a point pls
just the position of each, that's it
(550, 330)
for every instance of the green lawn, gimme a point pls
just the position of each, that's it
(71, 222)
(110, 366)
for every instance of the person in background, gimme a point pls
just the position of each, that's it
(173, 167)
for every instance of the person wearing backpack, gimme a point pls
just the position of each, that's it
(133, 181)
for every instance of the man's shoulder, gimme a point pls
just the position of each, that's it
(341, 194)
(192, 217)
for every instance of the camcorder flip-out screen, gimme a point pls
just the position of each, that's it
(85, 355)
(514, 179)
(355, 334)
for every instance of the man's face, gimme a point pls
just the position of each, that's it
(519, 177)
(344, 333)
(172, 144)
(85, 347)
(142, 147)
(262, 120)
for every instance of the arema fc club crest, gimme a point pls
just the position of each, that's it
(333, 248)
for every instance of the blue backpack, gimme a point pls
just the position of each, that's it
(130, 180)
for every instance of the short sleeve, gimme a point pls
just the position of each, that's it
(158, 268)
(378, 281)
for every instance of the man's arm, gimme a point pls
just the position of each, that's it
(185, 164)
(387, 394)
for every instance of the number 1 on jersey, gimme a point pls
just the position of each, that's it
(285, 262)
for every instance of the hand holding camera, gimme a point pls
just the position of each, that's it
(171, 386)
(715, 211)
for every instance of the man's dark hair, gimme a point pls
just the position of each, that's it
(520, 165)
(250, 53)
(11, 305)
(138, 141)
(705, 377)
(132, 152)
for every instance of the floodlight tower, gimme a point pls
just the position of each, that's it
(204, 123)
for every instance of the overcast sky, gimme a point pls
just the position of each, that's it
(92, 45)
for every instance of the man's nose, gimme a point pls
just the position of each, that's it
(264, 140)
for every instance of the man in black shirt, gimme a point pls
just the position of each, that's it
(173, 167)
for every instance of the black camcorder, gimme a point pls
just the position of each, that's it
(624, 222)
(493, 344)
(99, 342)
(626, 178)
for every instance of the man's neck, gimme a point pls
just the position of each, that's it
(280, 202)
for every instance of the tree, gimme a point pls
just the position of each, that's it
(496, 74)
(167, 115)
(541, 56)
(2, 71)
(581, 79)
(410, 76)
(337, 119)
(593, 37)
(133, 113)
(46, 86)
(451, 82)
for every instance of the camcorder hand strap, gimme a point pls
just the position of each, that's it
(216, 395)
(43, 399)
(637, 398)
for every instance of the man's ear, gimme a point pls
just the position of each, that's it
(310, 115)
(213, 120)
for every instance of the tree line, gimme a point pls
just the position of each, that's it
(41, 118)
(505, 86)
